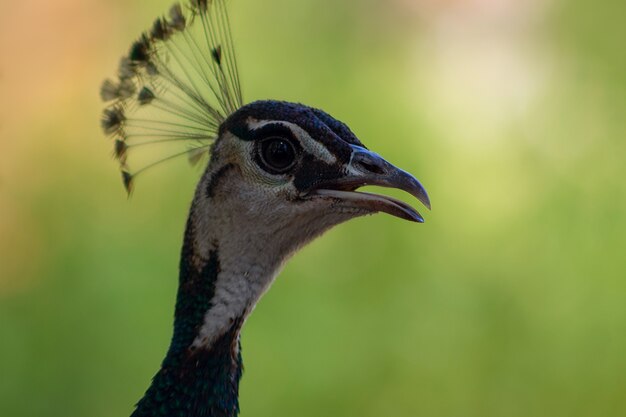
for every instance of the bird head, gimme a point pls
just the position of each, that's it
(276, 168)
(290, 172)
(279, 174)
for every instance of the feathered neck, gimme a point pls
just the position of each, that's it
(196, 380)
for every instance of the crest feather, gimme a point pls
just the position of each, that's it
(177, 84)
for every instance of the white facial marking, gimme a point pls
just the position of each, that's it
(351, 168)
(308, 143)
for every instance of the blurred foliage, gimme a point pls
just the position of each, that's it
(509, 301)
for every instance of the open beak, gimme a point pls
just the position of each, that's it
(368, 168)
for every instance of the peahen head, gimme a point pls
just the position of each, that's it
(299, 163)
(287, 172)
(279, 174)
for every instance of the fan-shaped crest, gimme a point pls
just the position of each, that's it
(177, 84)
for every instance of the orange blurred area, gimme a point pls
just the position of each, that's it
(52, 57)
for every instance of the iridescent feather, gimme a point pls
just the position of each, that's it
(175, 87)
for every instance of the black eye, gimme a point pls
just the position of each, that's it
(278, 154)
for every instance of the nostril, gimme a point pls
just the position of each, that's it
(373, 168)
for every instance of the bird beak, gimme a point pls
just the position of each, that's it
(368, 168)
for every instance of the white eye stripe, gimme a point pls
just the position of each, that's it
(309, 144)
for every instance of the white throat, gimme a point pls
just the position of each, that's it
(247, 268)
(250, 256)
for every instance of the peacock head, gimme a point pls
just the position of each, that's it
(292, 172)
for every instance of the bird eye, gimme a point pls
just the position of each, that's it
(277, 154)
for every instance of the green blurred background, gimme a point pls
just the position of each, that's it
(509, 301)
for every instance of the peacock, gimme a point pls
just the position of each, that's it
(278, 175)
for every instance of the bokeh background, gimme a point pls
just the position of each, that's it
(509, 301)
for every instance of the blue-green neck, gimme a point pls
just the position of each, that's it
(196, 381)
